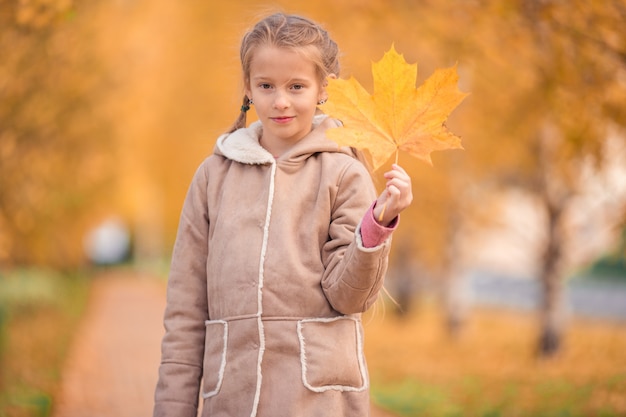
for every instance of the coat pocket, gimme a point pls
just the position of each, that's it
(331, 354)
(215, 346)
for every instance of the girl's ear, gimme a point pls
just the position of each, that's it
(331, 76)
(246, 88)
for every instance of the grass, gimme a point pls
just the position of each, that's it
(491, 370)
(39, 311)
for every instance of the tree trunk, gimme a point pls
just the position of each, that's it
(553, 308)
(455, 303)
(454, 295)
(403, 276)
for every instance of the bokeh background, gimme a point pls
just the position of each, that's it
(507, 288)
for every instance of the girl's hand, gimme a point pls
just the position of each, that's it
(397, 195)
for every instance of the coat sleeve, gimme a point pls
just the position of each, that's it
(354, 274)
(182, 348)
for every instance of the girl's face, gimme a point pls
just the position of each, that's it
(285, 89)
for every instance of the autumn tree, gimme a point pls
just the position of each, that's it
(51, 144)
(547, 78)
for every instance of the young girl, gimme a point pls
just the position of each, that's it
(280, 249)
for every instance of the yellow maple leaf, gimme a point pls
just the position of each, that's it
(398, 116)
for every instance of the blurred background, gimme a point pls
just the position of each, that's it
(508, 274)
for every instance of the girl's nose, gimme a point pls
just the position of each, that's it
(281, 101)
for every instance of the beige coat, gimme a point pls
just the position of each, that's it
(267, 283)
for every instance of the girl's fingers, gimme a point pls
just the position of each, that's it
(399, 186)
(398, 193)
(397, 174)
(398, 183)
(398, 170)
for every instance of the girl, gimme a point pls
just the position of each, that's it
(280, 249)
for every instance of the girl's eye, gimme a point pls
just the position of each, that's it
(265, 86)
(297, 87)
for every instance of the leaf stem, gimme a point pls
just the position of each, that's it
(382, 212)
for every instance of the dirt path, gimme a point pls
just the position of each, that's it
(112, 367)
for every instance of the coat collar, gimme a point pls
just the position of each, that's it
(243, 145)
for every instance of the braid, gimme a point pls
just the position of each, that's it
(241, 120)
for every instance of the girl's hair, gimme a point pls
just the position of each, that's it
(291, 32)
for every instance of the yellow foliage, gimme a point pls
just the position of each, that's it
(397, 116)
(493, 363)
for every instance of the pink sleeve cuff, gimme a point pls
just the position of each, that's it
(372, 233)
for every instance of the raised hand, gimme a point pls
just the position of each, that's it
(397, 196)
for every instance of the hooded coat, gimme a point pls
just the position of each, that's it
(268, 280)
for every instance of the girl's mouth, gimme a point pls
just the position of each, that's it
(282, 119)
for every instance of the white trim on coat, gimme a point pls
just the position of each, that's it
(360, 355)
(268, 215)
(220, 375)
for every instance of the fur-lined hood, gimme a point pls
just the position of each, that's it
(243, 145)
